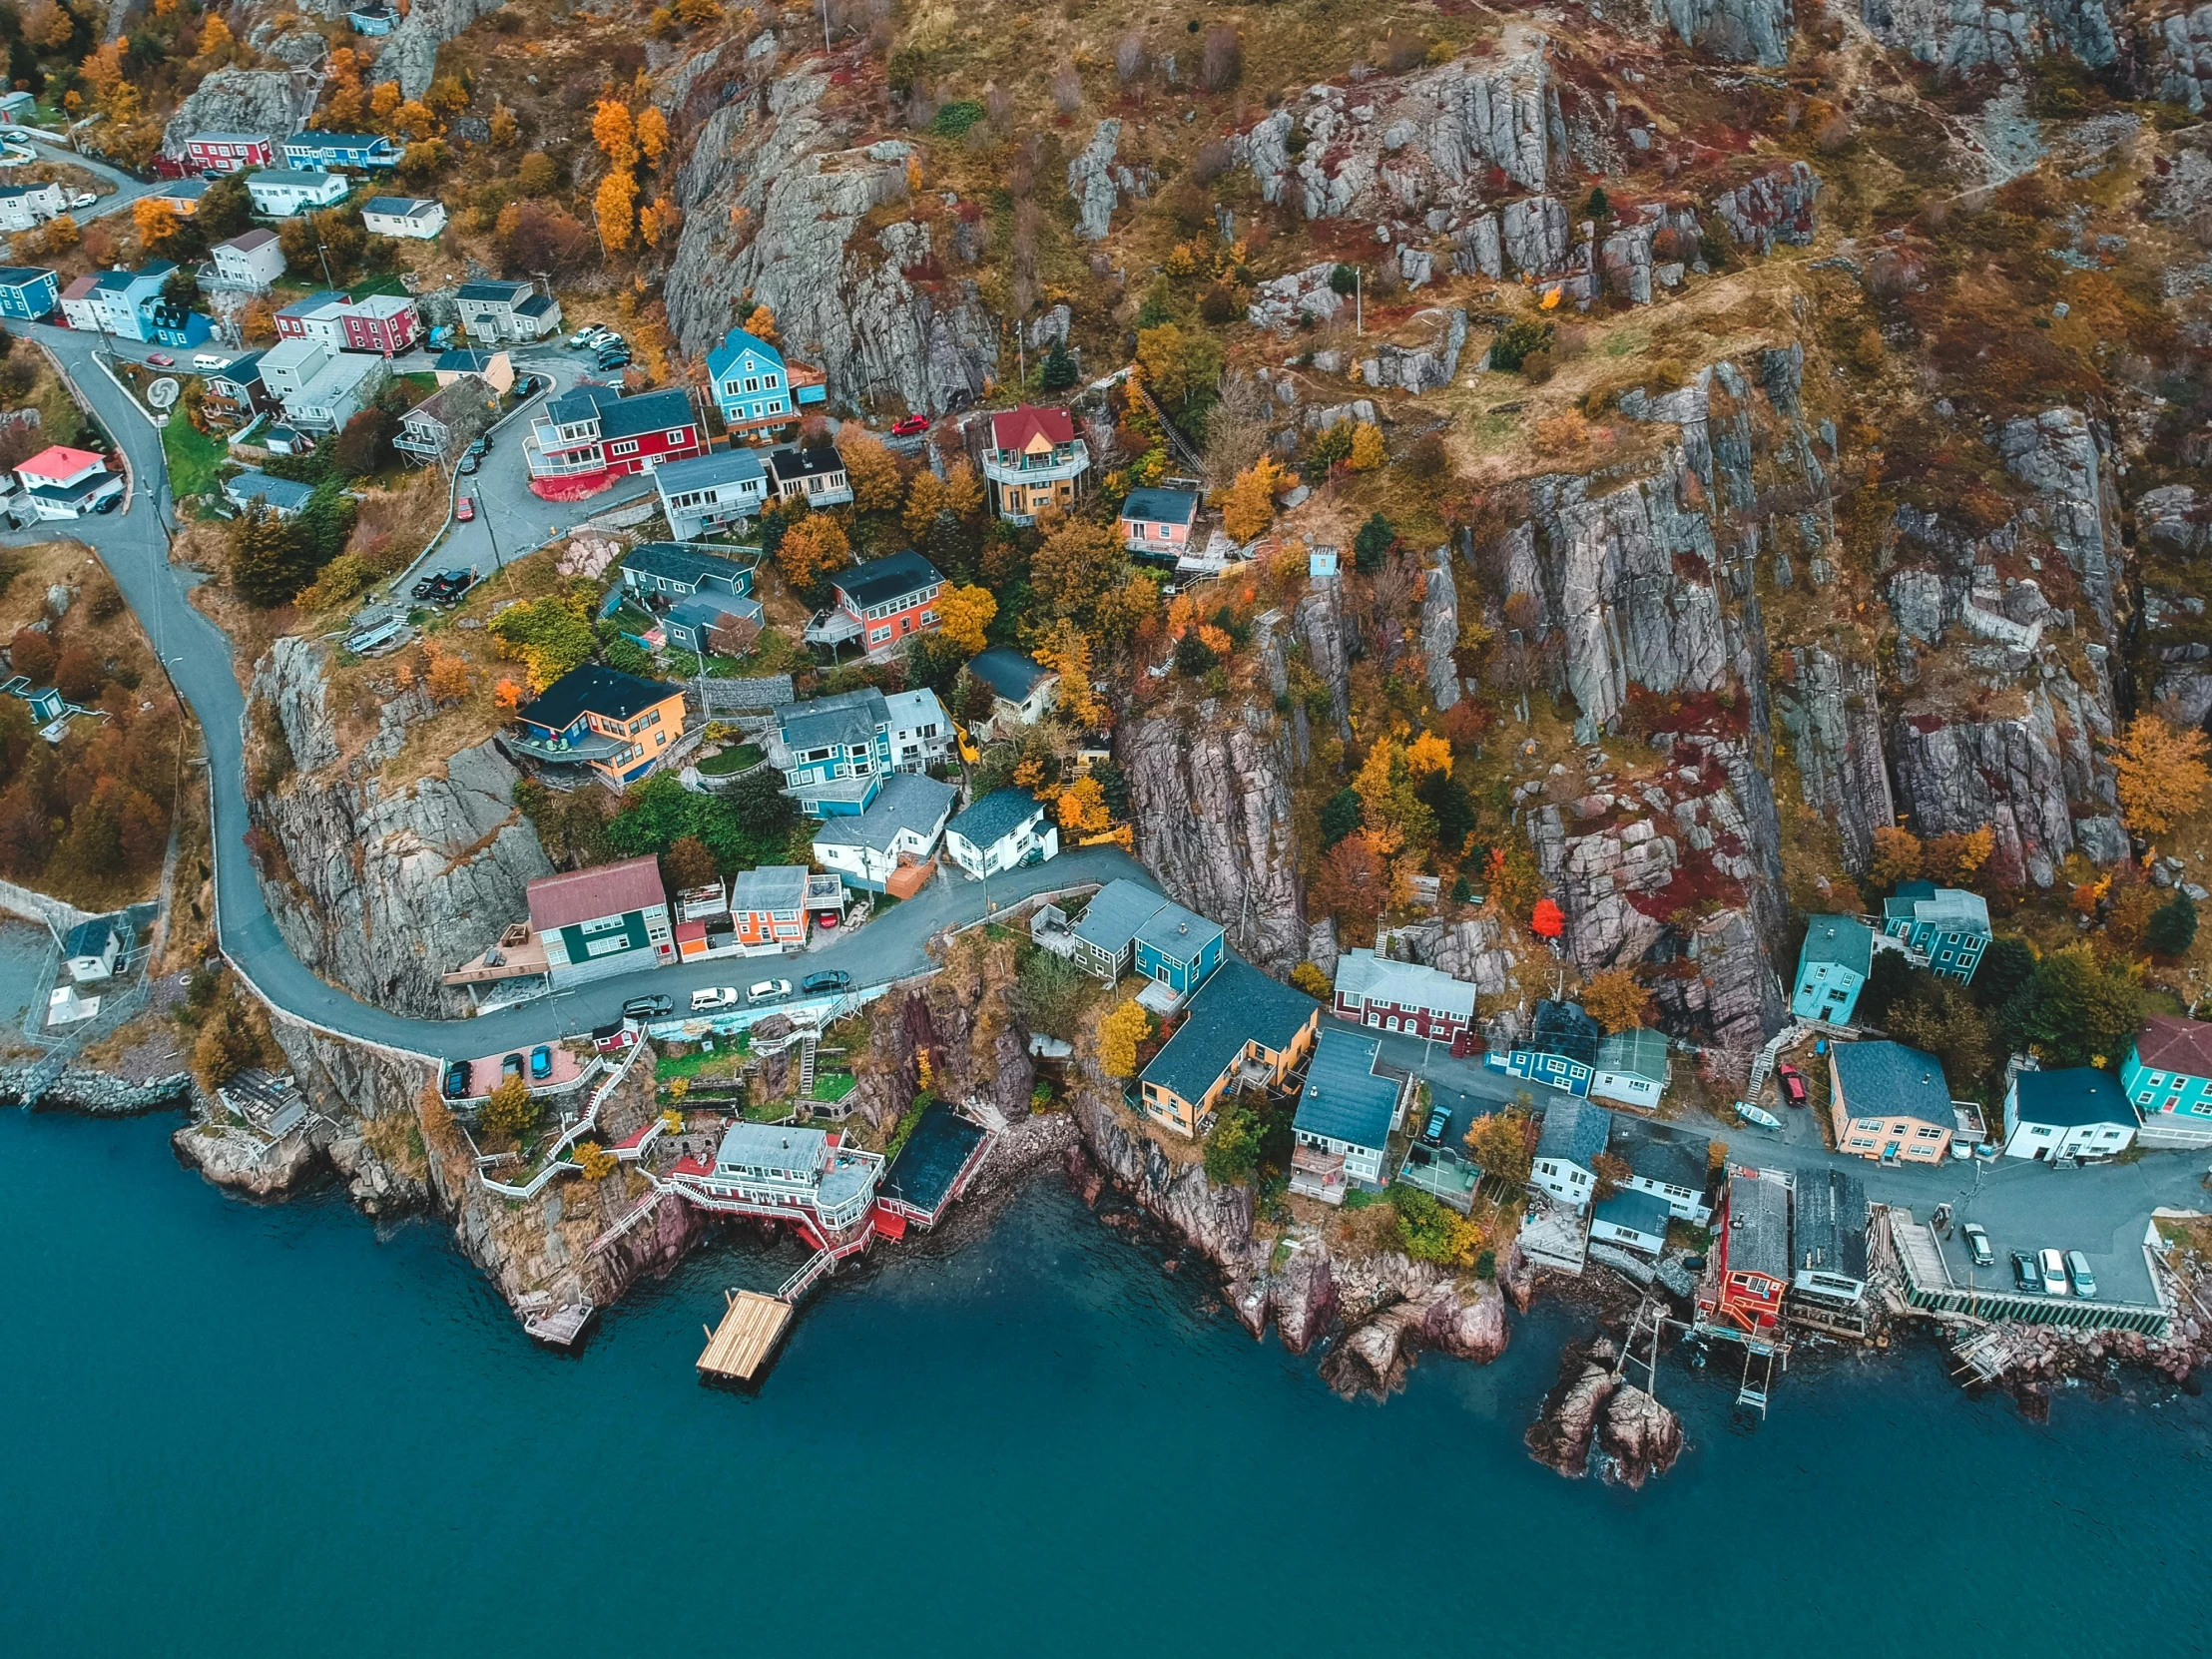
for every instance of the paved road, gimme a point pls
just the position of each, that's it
(127, 188)
(134, 546)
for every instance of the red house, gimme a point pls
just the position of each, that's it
(385, 323)
(595, 433)
(228, 152)
(1374, 991)
(1749, 1266)
(882, 601)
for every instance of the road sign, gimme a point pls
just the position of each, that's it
(163, 393)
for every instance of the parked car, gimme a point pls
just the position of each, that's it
(456, 1079)
(424, 587)
(511, 1066)
(2024, 1273)
(648, 1007)
(468, 466)
(447, 587)
(108, 504)
(208, 361)
(465, 508)
(2052, 1263)
(583, 338)
(1439, 1125)
(766, 990)
(828, 979)
(480, 448)
(160, 359)
(907, 426)
(2077, 1269)
(1792, 1085)
(541, 1062)
(714, 997)
(1977, 1246)
(83, 199)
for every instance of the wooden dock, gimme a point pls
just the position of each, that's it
(739, 1348)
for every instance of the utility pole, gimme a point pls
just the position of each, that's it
(825, 25)
(1358, 303)
(324, 254)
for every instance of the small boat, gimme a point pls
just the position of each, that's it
(1754, 1114)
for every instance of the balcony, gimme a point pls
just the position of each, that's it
(1068, 460)
(585, 748)
(561, 462)
(833, 626)
(1317, 1174)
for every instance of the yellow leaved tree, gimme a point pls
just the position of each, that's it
(2162, 774)
(963, 614)
(1248, 505)
(1119, 1033)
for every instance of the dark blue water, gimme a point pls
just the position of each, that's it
(257, 1431)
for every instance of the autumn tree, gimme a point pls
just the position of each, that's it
(1897, 856)
(871, 470)
(811, 549)
(1617, 1001)
(384, 99)
(1248, 505)
(510, 1112)
(963, 491)
(615, 205)
(1367, 452)
(1077, 566)
(1547, 920)
(688, 864)
(227, 1044)
(1352, 887)
(506, 131)
(1081, 808)
(1119, 1033)
(761, 324)
(1064, 650)
(614, 132)
(1499, 1144)
(652, 134)
(2162, 774)
(962, 616)
(1308, 977)
(156, 222)
(446, 676)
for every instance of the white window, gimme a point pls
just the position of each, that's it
(769, 380)
(877, 636)
(682, 434)
(751, 384)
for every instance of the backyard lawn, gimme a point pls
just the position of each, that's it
(195, 461)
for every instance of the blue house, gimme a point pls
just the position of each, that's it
(27, 293)
(1948, 925)
(1560, 1050)
(1833, 965)
(670, 571)
(757, 391)
(328, 152)
(168, 325)
(2168, 1076)
(835, 752)
(1177, 949)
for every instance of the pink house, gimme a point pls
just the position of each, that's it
(1159, 521)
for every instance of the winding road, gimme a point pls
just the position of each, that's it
(133, 543)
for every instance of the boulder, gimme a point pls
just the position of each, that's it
(1567, 1427)
(1439, 630)
(235, 101)
(1091, 182)
(1739, 31)
(1536, 238)
(409, 56)
(1639, 1437)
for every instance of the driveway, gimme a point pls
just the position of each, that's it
(127, 188)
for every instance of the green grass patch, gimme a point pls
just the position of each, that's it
(389, 283)
(743, 757)
(699, 1064)
(833, 1086)
(195, 461)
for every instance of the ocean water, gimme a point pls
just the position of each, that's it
(243, 1432)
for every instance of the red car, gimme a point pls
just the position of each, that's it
(160, 359)
(907, 426)
(465, 508)
(1792, 1085)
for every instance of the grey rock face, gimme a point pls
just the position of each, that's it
(2057, 453)
(767, 161)
(1420, 367)
(1536, 237)
(2172, 523)
(1624, 261)
(1280, 301)
(2182, 61)
(1969, 34)
(1212, 811)
(1091, 183)
(1775, 206)
(1478, 250)
(1320, 622)
(1832, 713)
(235, 101)
(391, 890)
(1741, 31)
(1439, 630)
(2007, 775)
(1735, 995)
(410, 57)
(1467, 947)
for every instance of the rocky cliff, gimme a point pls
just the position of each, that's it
(1210, 798)
(384, 889)
(773, 189)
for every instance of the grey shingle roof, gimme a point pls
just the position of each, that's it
(1830, 1234)
(1574, 1131)
(1178, 933)
(907, 800)
(1890, 1080)
(1345, 1098)
(1667, 1156)
(1758, 1227)
(1009, 673)
(680, 564)
(1159, 506)
(848, 720)
(1238, 1004)
(770, 888)
(998, 815)
(1115, 913)
(880, 581)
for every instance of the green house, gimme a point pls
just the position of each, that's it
(1833, 965)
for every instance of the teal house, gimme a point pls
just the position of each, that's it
(1948, 925)
(2168, 1077)
(1831, 968)
(1177, 949)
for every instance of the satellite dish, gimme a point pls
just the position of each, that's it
(162, 394)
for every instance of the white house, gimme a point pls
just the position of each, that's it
(921, 734)
(1005, 828)
(1667, 1165)
(1632, 1068)
(291, 363)
(1637, 1221)
(1023, 688)
(91, 950)
(1566, 1164)
(416, 217)
(25, 206)
(902, 825)
(705, 493)
(67, 483)
(281, 191)
(1345, 1115)
(338, 392)
(2075, 1112)
(251, 260)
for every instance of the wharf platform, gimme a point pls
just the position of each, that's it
(737, 1350)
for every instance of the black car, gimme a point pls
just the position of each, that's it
(424, 588)
(511, 1066)
(449, 585)
(456, 1079)
(1439, 1125)
(648, 1007)
(2025, 1273)
(828, 979)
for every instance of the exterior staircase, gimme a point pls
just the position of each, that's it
(807, 1067)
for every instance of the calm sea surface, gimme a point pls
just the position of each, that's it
(245, 1432)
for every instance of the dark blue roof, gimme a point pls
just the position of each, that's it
(653, 411)
(598, 689)
(1346, 1098)
(2072, 1097)
(89, 939)
(1563, 1028)
(1237, 1005)
(1645, 1213)
(1009, 673)
(998, 813)
(880, 581)
(1114, 914)
(1890, 1080)
(1158, 506)
(681, 564)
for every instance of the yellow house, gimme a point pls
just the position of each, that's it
(1034, 462)
(495, 368)
(617, 726)
(1243, 1030)
(1890, 1103)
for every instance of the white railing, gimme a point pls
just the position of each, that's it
(556, 1156)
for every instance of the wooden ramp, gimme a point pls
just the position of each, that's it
(737, 1350)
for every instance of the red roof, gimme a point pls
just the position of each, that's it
(2169, 1044)
(79, 287)
(685, 932)
(587, 894)
(1016, 427)
(60, 462)
(688, 1165)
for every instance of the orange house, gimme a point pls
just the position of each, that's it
(616, 725)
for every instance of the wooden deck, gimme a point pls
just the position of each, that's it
(737, 1350)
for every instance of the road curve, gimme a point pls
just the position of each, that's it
(134, 546)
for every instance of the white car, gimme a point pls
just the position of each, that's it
(714, 997)
(766, 990)
(203, 360)
(83, 199)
